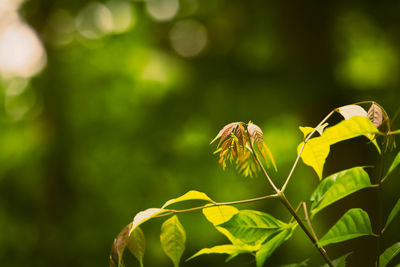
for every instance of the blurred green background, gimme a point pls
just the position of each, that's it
(107, 108)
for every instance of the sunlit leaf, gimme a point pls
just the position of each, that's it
(338, 186)
(146, 215)
(191, 195)
(375, 114)
(173, 238)
(137, 244)
(389, 254)
(354, 223)
(314, 154)
(271, 245)
(350, 111)
(307, 130)
(317, 149)
(220, 214)
(231, 250)
(393, 213)
(394, 164)
(300, 264)
(252, 227)
(339, 262)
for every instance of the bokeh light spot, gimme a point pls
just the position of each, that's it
(188, 37)
(162, 10)
(21, 52)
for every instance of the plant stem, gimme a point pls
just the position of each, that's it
(217, 204)
(302, 148)
(287, 204)
(309, 221)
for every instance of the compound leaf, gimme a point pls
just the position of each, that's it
(338, 186)
(354, 223)
(173, 238)
(389, 254)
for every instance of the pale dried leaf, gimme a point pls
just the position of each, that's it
(352, 110)
(375, 114)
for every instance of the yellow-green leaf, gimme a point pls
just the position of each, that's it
(317, 149)
(220, 214)
(394, 164)
(393, 213)
(338, 186)
(173, 238)
(137, 244)
(354, 223)
(271, 245)
(252, 227)
(191, 195)
(314, 154)
(232, 250)
(389, 254)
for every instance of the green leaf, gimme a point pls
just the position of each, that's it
(339, 262)
(173, 238)
(232, 250)
(393, 213)
(252, 227)
(137, 244)
(271, 245)
(317, 149)
(146, 215)
(191, 195)
(350, 111)
(389, 254)
(395, 163)
(354, 223)
(220, 214)
(338, 186)
(300, 264)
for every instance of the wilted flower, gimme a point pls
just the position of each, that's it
(238, 143)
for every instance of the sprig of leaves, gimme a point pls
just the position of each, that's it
(238, 142)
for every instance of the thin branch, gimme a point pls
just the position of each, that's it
(287, 204)
(217, 204)
(309, 221)
(302, 148)
(296, 210)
